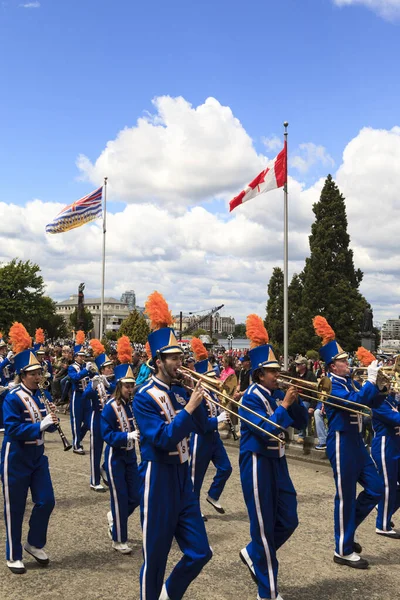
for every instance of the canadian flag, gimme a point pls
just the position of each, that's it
(274, 176)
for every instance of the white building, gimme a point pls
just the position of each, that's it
(113, 315)
(391, 329)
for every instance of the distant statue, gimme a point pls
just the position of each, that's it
(367, 324)
(80, 313)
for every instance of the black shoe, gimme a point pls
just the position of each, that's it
(354, 564)
(246, 560)
(204, 518)
(357, 548)
(395, 535)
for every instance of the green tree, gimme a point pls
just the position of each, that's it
(198, 332)
(274, 318)
(330, 280)
(111, 336)
(88, 320)
(53, 324)
(135, 327)
(21, 289)
(240, 330)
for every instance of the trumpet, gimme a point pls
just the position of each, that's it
(323, 390)
(209, 382)
(388, 378)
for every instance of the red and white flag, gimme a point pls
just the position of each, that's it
(274, 176)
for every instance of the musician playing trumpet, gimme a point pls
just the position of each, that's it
(346, 451)
(24, 465)
(267, 488)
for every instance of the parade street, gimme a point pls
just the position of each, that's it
(83, 565)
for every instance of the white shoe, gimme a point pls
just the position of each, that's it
(2, 431)
(122, 547)
(79, 450)
(164, 595)
(110, 524)
(216, 505)
(16, 566)
(98, 488)
(38, 554)
(245, 558)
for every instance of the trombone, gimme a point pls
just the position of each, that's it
(323, 389)
(212, 385)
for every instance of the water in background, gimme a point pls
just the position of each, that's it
(237, 343)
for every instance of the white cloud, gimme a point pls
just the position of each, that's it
(310, 154)
(273, 143)
(179, 156)
(30, 5)
(199, 259)
(389, 9)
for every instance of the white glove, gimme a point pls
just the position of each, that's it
(105, 381)
(223, 417)
(372, 372)
(48, 375)
(133, 435)
(12, 385)
(95, 382)
(46, 422)
(89, 366)
(10, 356)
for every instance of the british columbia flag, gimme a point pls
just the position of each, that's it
(80, 212)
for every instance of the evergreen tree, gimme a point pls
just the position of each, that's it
(135, 327)
(274, 318)
(88, 320)
(330, 280)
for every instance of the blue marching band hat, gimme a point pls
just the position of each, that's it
(102, 360)
(204, 367)
(263, 356)
(124, 373)
(330, 349)
(163, 341)
(26, 361)
(79, 349)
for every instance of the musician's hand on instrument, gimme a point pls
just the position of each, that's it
(133, 435)
(95, 382)
(310, 411)
(196, 398)
(372, 372)
(105, 381)
(290, 397)
(89, 367)
(223, 417)
(52, 407)
(48, 421)
(10, 356)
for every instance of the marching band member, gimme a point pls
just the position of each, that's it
(207, 447)
(267, 488)
(94, 397)
(119, 433)
(346, 451)
(6, 374)
(38, 348)
(169, 507)
(385, 450)
(23, 463)
(79, 374)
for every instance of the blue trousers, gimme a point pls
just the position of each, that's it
(272, 506)
(389, 469)
(203, 450)
(169, 508)
(92, 423)
(124, 480)
(24, 468)
(2, 397)
(351, 463)
(77, 412)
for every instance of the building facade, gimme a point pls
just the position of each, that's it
(391, 329)
(129, 298)
(114, 312)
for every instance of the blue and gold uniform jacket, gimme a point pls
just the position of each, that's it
(93, 395)
(79, 376)
(266, 403)
(386, 423)
(342, 420)
(6, 371)
(116, 423)
(163, 423)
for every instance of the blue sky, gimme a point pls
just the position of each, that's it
(75, 73)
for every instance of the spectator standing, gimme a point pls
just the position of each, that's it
(306, 374)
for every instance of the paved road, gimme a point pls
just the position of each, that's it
(85, 567)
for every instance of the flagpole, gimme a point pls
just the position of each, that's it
(285, 263)
(103, 267)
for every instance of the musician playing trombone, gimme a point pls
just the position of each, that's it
(24, 465)
(267, 488)
(346, 451)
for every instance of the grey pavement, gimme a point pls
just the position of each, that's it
(85, 567)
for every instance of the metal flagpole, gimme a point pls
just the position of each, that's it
(103, 268)
(285, 264)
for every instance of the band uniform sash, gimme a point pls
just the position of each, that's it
(33, 410)
(167, 409)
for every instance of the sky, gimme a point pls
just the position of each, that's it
(180, 105)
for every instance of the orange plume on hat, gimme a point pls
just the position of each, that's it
(19, 338)
(323, 329)
(365, 356)
(39, 336)
(80, 337)
(97, 347)
(124, 350)
(156, 308)
(199, 350)
(1, 336)
(148, 351)
(255, 331)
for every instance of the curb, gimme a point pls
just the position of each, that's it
(302, 452)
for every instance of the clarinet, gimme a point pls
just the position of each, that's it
(66, 444)
(136, 429)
